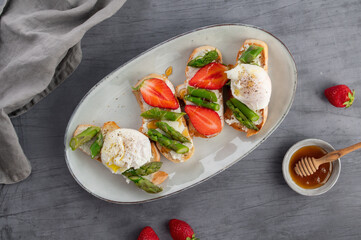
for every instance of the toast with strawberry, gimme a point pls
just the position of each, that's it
(246, 116)
(92, 140)
(202, 91)
(162, 119)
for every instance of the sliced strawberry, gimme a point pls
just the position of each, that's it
(156, 93)
(205, 120)
(211, 76)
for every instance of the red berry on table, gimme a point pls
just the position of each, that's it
(148, 234)
(340, 96)
(180, 230)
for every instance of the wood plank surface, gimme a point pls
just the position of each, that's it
(248, 201)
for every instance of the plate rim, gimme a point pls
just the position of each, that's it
(219, 171)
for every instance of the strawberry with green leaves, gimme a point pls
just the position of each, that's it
(340, 96)
(180, 230)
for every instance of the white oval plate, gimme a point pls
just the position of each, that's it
(112, 100)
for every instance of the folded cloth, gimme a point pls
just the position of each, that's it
(39, 49)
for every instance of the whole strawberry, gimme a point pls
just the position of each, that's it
(148, 234)
(340, 96)
(180, 230)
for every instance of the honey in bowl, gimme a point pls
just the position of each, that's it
(317, 179)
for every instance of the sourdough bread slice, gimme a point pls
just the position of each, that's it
(263, 60)
(182, 89)
(156, 178)
(147, 123)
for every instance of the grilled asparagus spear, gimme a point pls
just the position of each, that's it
(171, 132)
(250, 54)
(202, 93)
(141, 182)
(148, 168)
(202, 103)
(83, 137)
(166, 142)
(200, 61)
(97, 145)
(245, 110)
(241, 117)
(157, 113)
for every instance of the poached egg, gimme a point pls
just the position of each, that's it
(251, 85)
(125, 148)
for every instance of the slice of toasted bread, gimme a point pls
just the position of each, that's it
(182, 89)
(107, 128)
(263, 54)
(144, 107)
(263, 112)
(111, 126)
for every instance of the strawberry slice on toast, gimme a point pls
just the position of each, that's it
(205, 72)
(211, 76)
(206, 121)
(156, 93)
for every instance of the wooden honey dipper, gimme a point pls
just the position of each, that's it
(309, 165)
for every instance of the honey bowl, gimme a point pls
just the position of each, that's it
(321, 181)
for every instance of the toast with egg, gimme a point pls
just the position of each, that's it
(262, 62)
(182, 90)
(150, 124)
(157, 177)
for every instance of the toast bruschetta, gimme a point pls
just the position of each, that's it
(162, 119)
(122, 151)
(250, 88)
(202, 91)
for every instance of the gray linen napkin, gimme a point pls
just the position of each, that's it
(39, 49)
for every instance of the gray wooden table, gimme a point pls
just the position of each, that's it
(249, 201)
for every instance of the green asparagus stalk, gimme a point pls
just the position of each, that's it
(157, 113)
(83, 137)
(250, 54)
(97, 145)
(202, 61)
(141, 182)
(245, 110)
(202, 103)
(202, 93)
(148, 168)
(241, 117)
(172, 132)
(166, 142)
